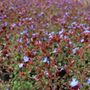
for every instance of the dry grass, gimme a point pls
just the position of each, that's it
(84, 2)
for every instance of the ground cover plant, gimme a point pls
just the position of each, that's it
(44, 45)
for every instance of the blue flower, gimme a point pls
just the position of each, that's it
(46, 60)
(20, 40)
(74, 82)
(88, 81)
(23, 32)
(26, 59)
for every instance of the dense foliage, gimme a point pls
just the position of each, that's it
(44, 45)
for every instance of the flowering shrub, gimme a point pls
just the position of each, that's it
(45, 45)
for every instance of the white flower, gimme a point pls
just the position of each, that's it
(55, 50)
(46, 73)
(20, 65)
(74, 82)
(52, 33)
(65, 37)
(61, 36)
(32, 26)
(7, 88)
(29, 18)
(26, 59)
(23, 32)
(34, 34)
(74, 50)
(70, 42)
(73, 23)
(13, 25)
(82, 40)
(42, 13)
(50, 36)
(86, 31)
(60, 32)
